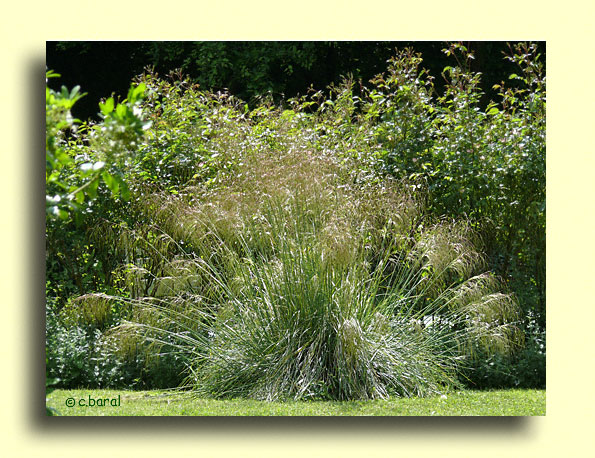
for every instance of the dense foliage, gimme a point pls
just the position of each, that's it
(488, 165)
(329, 247)
(250, 69)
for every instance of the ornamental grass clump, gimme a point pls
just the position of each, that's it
(303, 328)
(302, 286)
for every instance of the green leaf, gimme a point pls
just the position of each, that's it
(136, 93)
(62, 157)
(74, 91)
(107, 107)
(92, 188)
(121, 111)
(111, 182)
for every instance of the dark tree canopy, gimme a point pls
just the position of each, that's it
(249, 69)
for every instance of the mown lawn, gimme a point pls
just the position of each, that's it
(161, 403)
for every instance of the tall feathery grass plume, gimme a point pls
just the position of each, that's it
(297, 284)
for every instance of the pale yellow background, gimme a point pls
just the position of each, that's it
(566, 431)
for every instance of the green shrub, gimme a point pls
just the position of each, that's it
(80, 354)
(84, 186)
(487, 165)
(73, 170)
(525, 368)
(68, 352)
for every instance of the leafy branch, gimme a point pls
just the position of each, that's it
(72, 178)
